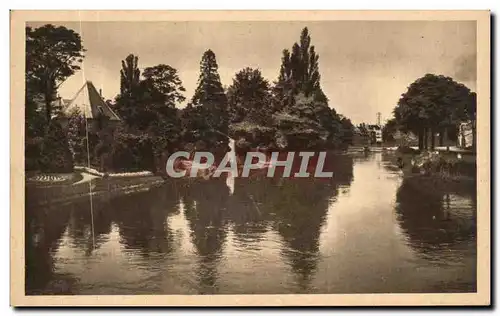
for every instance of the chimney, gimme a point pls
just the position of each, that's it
(100, 92)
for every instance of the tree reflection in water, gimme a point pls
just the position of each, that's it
(247, 213)
(44, 228)
(301, 207)
(280, 219)
(295, 208)
(435, 222)
(205, 206)
(142, 219)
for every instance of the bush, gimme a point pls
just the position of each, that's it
(55, 155)
(32, 153)
(434, 163)
(295, 132)
(250, 135)
(130, 152)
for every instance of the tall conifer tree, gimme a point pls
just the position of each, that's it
(210, 95)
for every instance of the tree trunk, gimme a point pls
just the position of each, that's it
(441, 136)
(474, 139)
(48, 107)
(445, 132)
(420, 139)
(433, 139)
(426, 138)
(49, 98)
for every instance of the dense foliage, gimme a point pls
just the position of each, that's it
(54, 152)
(432, 104)
(52, 55)
(292, 112)
(249, 97)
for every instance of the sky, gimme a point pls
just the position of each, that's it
(365, 66)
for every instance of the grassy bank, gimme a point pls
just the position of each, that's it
(438, 172)
(38, 194)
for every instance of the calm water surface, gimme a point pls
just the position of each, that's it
(364, 231)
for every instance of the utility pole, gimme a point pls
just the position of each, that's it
(378, 118)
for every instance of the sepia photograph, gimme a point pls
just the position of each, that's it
(250, 158)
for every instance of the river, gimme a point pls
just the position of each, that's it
(366, 230)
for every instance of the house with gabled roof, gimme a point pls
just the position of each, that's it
(89, 103)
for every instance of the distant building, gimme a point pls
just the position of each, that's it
(366, 135)
(375, 132)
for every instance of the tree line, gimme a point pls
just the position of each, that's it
(290, 113)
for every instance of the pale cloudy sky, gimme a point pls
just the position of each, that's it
(365, 65)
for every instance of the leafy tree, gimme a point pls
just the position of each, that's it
(308, 124)
(389, 129)
(87, 146)
(131, 151)
(76, 132)
(35, 120)
(430, 104)
(154, 98)
(364, 133)
(149, 107)
(142, 101)
(163, 87)
(347, 130)
(411, 119)
(249, 97)
(52, 55)
(194, 124)
(162, 91)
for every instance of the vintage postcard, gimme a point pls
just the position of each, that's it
(250, 158)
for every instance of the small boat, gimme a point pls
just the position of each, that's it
(184, 164)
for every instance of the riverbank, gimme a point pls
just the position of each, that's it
(80, 174)
(438, 185)
(53, 178)
(438, 172)
(39, 195)
(112, 174)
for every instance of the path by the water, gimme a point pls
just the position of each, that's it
(86, 178)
